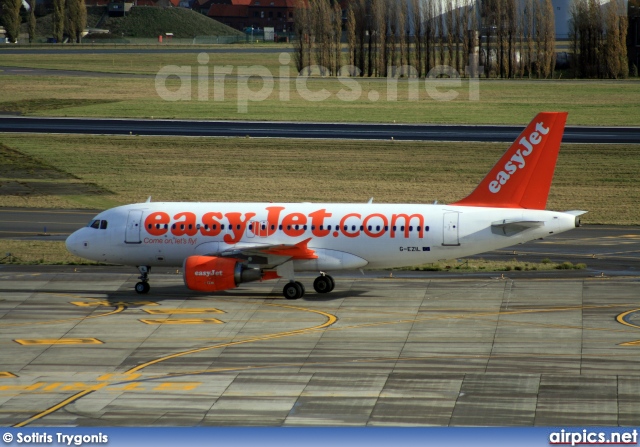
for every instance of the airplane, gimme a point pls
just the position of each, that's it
(222, 245)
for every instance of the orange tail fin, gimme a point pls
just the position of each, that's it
(522, 177)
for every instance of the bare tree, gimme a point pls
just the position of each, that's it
(450, 13)
(379, 10)
(337, 37)
(429, 36)
(302, 44)
(529, 22)
(401, 18)
(549, 40)
(623, 23)
(58, 19)
(32, 21)
(442, 37)
(11, 19)
(76, 19)
(417, 22)
(351, 37)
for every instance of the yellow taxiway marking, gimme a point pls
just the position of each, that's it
(118, 309)
(621, 318)
(630, 343)
(55, 407)
(7, 375)
(331, 319)
(182, 321)
(60, 341)
(113, 303)
(182, 311)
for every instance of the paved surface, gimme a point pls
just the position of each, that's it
(79, 348)
(422, 132)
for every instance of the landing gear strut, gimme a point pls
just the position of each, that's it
(143, 286)
(324, 283)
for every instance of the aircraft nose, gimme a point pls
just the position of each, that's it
(73, 243)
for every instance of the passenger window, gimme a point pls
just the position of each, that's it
(304, 227)
(426, 228)
(411, 228)
(251, 227)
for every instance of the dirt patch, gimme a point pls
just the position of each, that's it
(22, 175)
(28, 106)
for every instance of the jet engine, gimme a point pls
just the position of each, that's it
(210, 273)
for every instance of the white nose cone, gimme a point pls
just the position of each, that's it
(73, 243)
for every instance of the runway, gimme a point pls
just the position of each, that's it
(357, 131)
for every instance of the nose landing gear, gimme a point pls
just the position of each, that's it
(143, 286)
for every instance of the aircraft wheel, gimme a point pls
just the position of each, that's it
(333, 283)
(301, 288)
(323, 284)
(292, 291)
(143, 287)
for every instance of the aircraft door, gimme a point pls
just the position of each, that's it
(134, 224)
(450, 230)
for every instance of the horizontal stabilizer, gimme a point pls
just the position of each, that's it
(508, 227)
(576, 212)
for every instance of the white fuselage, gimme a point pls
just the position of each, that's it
(344, 236)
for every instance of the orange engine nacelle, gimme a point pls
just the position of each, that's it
(210, 274)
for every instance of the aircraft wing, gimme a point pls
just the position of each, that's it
(510, 227)
(271, 255)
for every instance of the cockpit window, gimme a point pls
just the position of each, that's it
(98, 224)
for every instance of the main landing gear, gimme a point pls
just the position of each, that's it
(143, 286)
(295, 289)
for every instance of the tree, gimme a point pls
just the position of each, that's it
(32, 20)
(337, 37)
(417, 22)
(549, 40)
(58, 19)
(351, 37)
(380, 19)
(302, 30)
(11, 19)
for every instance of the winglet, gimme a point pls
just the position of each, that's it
(522, 178)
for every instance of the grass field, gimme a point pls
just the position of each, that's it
(100, 172)
(369, 100)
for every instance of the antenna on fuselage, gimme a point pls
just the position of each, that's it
(370, 200)
(148, 200)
